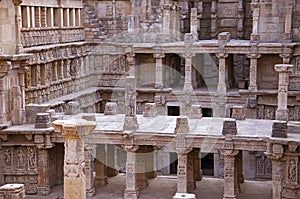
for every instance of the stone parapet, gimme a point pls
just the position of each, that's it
(279, 129)
(229, 127)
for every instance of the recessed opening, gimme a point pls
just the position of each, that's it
(173, 163)
(207, 164)
(173, 110)
(207, 112)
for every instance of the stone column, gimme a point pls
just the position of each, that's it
(191, 184)
(110, 161)
(74, 164)
(18, 12)
(255, 22)
(223, 38)
(166, 19)
(150, 162)
(131, 63)
(230, 174)
(101, 176)
(132, 190)
(141, 175)
(275, 153)
(197, 164)
(214, 19)
(282, 110)
(194, 24)
(158, 55)
(90, 190)
(288, 23)
(188, 87)
(43, 188)
(130, 122)
(185, 168)
(253, 71)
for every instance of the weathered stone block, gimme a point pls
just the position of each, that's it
(238, 113)
(184, 196)
(182, 125)
(89, 117)
(130, 123)
(279, 129)
(12, 191)
(72, 108)
(110, 108)
(32, 109)
(196, 112)
(150, 110)
(42, 120)
(229, 127)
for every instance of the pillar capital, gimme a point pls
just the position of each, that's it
(188, 55)
(130, 57)
(221, 54)
(131, 148)
(283, 68)
(228, 152)
(275, 151)
(17, 2)
(74, 129)
(253, 56)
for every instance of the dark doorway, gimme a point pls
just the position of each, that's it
(173, 163)
(207, 164)
(207, 112)
(173, 110)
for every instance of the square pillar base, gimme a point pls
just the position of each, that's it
(131, 194)
(282, 115)
(43, 191)
(184, 196)
(229, 197)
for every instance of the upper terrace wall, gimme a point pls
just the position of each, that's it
(7, 27)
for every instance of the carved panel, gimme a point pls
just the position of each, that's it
(291, 170)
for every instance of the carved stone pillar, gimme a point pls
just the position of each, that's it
(190, 172)
(223, 38)
(43, 188)
(131, 63)
(90, 190)
(18, 12)
(197, 164)
(282, 111)
(130, 122)
(141, 175)
(291, 172)
(188, 87)
(230, 173)
(101, 176)
(74, 164)
(253, 72)
(288, 24)
(158, 55)
(111, 161)
(255, 22)
(185, 170)
(214, 19)
(275, 153)
(132, 190)
(166, 19)
(150, 162)
(194, 24)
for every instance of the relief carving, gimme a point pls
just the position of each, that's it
(31, 157)
(291, 170)
(20, 159)
(8, 157)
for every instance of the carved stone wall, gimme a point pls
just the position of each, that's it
(20, 166)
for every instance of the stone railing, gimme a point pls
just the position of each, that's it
(54, 35)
